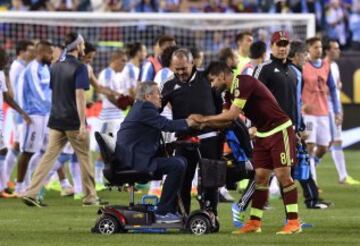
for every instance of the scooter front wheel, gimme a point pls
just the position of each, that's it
(199, 225)
(107, 224)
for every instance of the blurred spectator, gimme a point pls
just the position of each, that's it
(198, 56)
(147, 6)
(192, 6)
(65, 5)
(281, 6)
(39, 5)
(355, 27)
(217, 42)
(228, 6)
(265, 5)
(214, 7)
(18, 5)
(169, 5)
(336, 18)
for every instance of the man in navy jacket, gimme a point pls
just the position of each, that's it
(138, 142)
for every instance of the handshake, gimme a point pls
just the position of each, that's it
(196, 121)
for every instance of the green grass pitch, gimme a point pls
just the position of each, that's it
(66, 222)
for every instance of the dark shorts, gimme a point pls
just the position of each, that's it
(277, 150)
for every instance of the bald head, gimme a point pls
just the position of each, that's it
(44, 52)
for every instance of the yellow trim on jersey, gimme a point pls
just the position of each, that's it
(287, 147)
(275, 130)
(240, 103)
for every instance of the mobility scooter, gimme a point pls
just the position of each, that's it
(140, 217)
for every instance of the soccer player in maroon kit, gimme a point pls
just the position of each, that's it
(274, 145)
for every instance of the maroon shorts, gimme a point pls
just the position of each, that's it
(277, 150)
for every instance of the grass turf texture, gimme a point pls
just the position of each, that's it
(66, 222)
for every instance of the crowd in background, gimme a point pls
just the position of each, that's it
(338, 19)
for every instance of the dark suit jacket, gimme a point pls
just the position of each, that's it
(138, 139)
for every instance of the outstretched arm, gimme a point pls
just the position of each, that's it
(9, 100)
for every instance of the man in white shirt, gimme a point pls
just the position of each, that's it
(332, 55)
(24, 54)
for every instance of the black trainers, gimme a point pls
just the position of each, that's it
(98, 202)
(31, 202)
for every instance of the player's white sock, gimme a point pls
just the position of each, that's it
(2, 173)
(338, 157)
(34, 161)
(52, 176)
(19, 188)
(65, 183)
(99, 167)
(74, 168)
(10, 163)
(313, 168)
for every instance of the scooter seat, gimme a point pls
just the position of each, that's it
(114, 176)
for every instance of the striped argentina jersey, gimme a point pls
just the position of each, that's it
(3, 88)
(130, 75)
(160, 78)
(109, 78)
(16, 68)
(33, 89)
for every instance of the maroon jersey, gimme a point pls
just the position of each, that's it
(257, 103)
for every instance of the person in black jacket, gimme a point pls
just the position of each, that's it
(189, 92)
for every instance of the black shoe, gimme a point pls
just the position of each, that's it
(98, 203)
(328, 203)
(318, 205)
(31, 202)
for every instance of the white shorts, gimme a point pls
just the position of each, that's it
(110, 126)
(33, 137)
(318, 128)
(68, 149)
(335, 130)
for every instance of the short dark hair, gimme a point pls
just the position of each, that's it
(43, 43)
(225, 53)
(311, 41)
(217, 67)
(22, 46)
(165, 38)
(89, 47)
(70, 37)
(296, 46)
(240, 36)
(167, 54)
(117, 54)
(133, 48)
(326, 43)
(257, 49)
(3, 59)
(195, 52)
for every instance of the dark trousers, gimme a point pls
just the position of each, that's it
(210, 149)
(248, 192)
(310, 191)
(174, 168)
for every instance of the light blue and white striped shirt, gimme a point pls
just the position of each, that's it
(33, 89)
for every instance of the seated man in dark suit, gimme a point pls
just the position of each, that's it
(138, 142)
